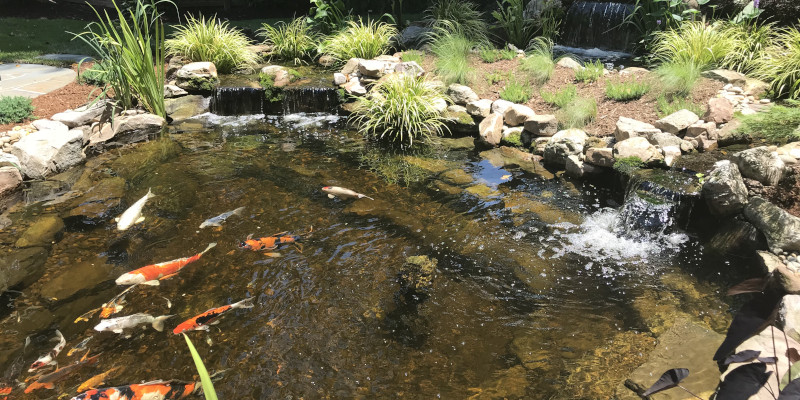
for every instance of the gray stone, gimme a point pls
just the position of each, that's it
(10, 180)
(726, 76)
(568, 62)
(600, 156)
(663, 139)
(781, 229)
(354, 86)
(629, 127)
(21, 266)
(42, 232)
(8, 160)
(173, 91)
(48, 125)
(460, 122)
(440, 105)
(45, 152)
(491, 129)
(789, 316)
(127, 129)
(414, 36)
(677, 121)
(198, 77)
(719, 111)
(787, 278)
(410, 68)
(579, 169)
(339, 79)
(542, 125)
(375, 68)
(101, 202)
(671, 154)
(80, 116)
(455, 108)
(500, 106)
(706, 144)
(637, 147)
(756, 88)
(461, 94)
(724, 189)
(326, 61)
(63, 284)
(351, 66)
(517, 114)
(280, 75)
(185, 107)
(480, 108)
(564, 144)
(701, 128)
(760, 164)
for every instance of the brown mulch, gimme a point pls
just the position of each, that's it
(68, 97)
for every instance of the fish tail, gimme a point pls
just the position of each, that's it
(158, 324)
(363, 195)
(238, 211)
(150, 192)
(246, 303)
(210, 246)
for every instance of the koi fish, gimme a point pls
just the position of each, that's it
(151, 274)
(202, 321)
(118, 325)
(48, 381)
(50, 358)
(4, 392)
(80, 346)
(271, 242)
(219, 219)
(155, 390)
(336, 191)
(133, 215)
(97, 380)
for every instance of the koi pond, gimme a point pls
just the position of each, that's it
(467, 276)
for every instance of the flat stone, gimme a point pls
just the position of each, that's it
(410, 68)
(46, 124)
(185, 107)
(101, 202)
(781, 229)
(45, 152)
(351, 66)
(663, 139)
(600, 156)
(627, 128)
(80, 116)
(677, 121)
(376, 68)
(517, 114)
(33, 80)
(172, 91)
(542, 125)
(480, 108)
(42, 232)
(727, 76)
(637, 147)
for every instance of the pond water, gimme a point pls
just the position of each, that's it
(541, 289)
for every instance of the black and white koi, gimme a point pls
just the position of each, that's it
(50, 358)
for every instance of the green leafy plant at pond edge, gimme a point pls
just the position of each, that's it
(271, 92)
(517, 92)
(205, 380)
(490, 55)
(201, 39)
(777, 124)
(359, 39)
(518, 30)
(562, 97)
(295, 41)
(751, 39)
(667, 105)
(590, 72)
(626, 91)
(15, 109)
(779, 64)
(628, 165)
(577, 113)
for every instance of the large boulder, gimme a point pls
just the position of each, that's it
(376, 68)
(410, 68)
(542, 125)
(629, 127)
(279, 74)
(564, 144)
(46, 124)
(663, 139)
(461, 94)
(82, 115)
(726, 76)
(781, 229)
(600, 156)
(198, 77)
(500, 106)
(760, 164)
(677, 121)
(491, 129)
(517, 114)
(414, 36)
(480, 108)
(46, 152)
(126, 129)
(638, 147)
(10, 180)
(719, 111)
(101, 202)
(724, 189)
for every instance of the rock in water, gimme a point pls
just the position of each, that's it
(564, 144)
(760, 164)
(46, 152)
(42, 232)
(724, 189)
(781, 229)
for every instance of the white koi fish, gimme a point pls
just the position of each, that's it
(118, 325)
(133, 215)
(219, 219)
(50, 358)
(336, 191)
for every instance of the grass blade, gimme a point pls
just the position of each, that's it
(205, 379)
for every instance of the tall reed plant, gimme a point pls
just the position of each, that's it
(132, 48)
(517, 29)
(458, 15)
(295, 41)
(201, 39)
(779, 64)
(359, 40)
(452, 49)
(678, 77)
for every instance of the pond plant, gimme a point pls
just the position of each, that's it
(294, 41)
(211, 39)
(458, 15)
(205, 379)
(359, 39)
(677, 78)
(539, 64)
(452, 49)
(704, 44)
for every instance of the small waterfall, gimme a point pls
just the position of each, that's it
(595, 24)
(237, 101)
(310, 100)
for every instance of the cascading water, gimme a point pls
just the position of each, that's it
(594, 24)
(251, 101)
(310, 99)
(237, 101)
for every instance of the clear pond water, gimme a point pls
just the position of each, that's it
(541, 290)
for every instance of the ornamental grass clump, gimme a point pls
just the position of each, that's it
(779, 64)
(704, 45)
(626, 91)
(15, 109)
(452, 49)
(539, 64)
(562, 97)
(459, 15)
(490, 54)
(401, 109)
(577, 113)
(590, 72)
(677, 78)
(359, 40)
(751, 39)
(517, 92)
(201, 39)
(295, 41)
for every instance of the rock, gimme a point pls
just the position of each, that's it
(81, 115)
(410, 68)
(280, 75)
(789, 316)
(339, 79)
(8, 160)
(376, 68)
(351, 66)
(126, 129)
(724, 189)
(461, 94)
(760, 164)
(326, 61)
(564, 144)
(185, 107)
(706, 144)
(671, 154)
(10, 180)
(701, 128)
(440, 105)
(633, 71)
(172, 91)
(517, 114)
(42, 232)
(414, 36)
(455, 108)
(45, 152)
(637, 147)
(600, 156)
(756, 88)
(354, 87)
(542, 125)
(508, 384)
(726, 76)
(21, 266)
(491, 129)
(480, 108)
(198, 77)
(46, 124)
(500, 106)
(629, 127)
(578, 169)
(63, 284)
(568, 62)
(720, 110)
(460, 122)
(790, 149)
(677, 121)
(788, 279)
(781, 229)
(663, 139)
(100, 203)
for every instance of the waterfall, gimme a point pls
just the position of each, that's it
(310, 99)
(250, 101)
(595, 24)
(237, 101)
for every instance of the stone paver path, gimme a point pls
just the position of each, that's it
(32, 80)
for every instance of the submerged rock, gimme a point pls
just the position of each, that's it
(781, 228)
(508, 384)
(724, 190)
(418, 273)
(760, 164)
(100, 202)
(185, 107)
(42, 232)
(63, 284)
(21, 266)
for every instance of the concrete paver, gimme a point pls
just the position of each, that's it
(32, 80)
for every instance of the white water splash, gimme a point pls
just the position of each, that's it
(211, 119)
(305, 120)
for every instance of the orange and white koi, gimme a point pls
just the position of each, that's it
(50, 358)
(271, 242)
(209, 317)
(155, 390)
(151, 274)
(4, 391)
(48, 381)
(344, 193)
(97, 380)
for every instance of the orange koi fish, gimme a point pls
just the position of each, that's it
(272, 242)
(155, 390)
(151, 274)
(97, 380)
(48, 381)
(4, 392)
(202, 321)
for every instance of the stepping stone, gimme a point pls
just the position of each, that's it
(32, 80)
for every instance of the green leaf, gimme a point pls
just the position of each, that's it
(205, 379)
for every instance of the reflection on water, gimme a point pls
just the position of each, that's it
(514, 308)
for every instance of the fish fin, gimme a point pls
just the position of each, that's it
(139, 221)
(330, 196)
(116, 219)
(158, 324)
(167, 277)
(117, 331)
(250, 236)
(210, 246)
(246, 303)
(362, 196)
(154, 282)
(238, 211)
(150, 192)
(272, 254)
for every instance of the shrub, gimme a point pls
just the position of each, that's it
(452, 52)
(132, 46)
(516, 92)
(15, 109)
(704, 45)
(458, 15)
(359, 40)
(327, 16)
(494, 77)
(590, 72)
(626, 91)
(400, 109)
(413, 55)
(678, 78)
(518, 30)
(779, 64)
(294, 41)
(212, 40)
(561, 98)
(777, 124)
(577, 113)
(750, 41)
(668, 105)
